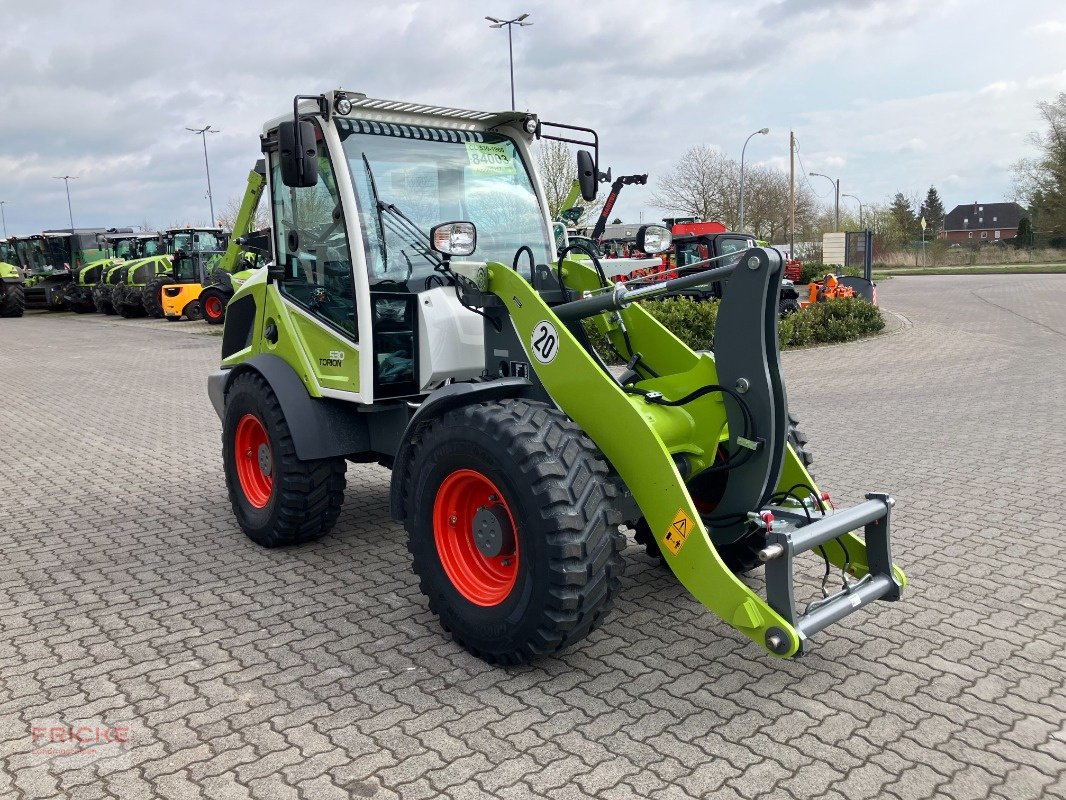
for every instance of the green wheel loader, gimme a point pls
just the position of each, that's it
(418, 316)
(12, 293)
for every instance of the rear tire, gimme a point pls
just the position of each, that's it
(213, 302)
(193, 311)
(12, 301)
(278, 499)
(152, 294)
(559, 563)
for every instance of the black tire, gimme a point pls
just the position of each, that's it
(193, 311)
(305, 497)
(553, 483)
(152, 294)
(742, 555)
(12, 300)
(129, 310)
(788, 307)
(102, 301)
(213, 304)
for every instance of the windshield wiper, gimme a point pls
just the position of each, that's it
(377, 207)
(401, 225)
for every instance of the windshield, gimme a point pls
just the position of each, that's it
(432, 176)
(31, 254)
(58, 251)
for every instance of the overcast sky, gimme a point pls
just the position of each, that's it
(888, 96)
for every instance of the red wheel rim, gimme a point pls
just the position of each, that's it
(481, 579)
(255, 460)
(213, 307)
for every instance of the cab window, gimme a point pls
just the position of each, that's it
(312, 245)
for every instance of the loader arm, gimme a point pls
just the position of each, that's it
(245, 220)
(646, 441)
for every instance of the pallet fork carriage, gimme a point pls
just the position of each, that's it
(456, 353)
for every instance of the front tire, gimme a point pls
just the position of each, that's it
(12, 300)
(278, 499)
(512, 529)
(213, 303)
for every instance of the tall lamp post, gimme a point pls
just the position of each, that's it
(66, 180)
(3, 217)
(499, 23)
(857, 200)
(202, 133)
(762, 131)
(836, 204)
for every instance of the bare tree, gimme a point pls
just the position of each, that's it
(228, 215)
(695, 187)
(705, 184)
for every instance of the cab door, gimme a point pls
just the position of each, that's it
(317, 291)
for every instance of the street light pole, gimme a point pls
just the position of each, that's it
(202, 133)
(66, 180)
(762, 131)
(499, 23)
(836, 204)
(857, 200)
(3, 217)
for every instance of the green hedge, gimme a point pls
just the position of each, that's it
(815, 271)
(692, 321)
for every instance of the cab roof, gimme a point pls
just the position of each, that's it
(403, 112)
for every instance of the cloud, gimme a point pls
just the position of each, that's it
(105, 90)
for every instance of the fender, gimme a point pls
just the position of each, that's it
(454, 395)
(320, 427)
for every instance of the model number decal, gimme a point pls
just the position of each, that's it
(544, 342)
(335, 359)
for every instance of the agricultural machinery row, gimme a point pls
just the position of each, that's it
(181, 273)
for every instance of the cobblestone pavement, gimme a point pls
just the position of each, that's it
(132, 608)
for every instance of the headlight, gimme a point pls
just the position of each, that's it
(342, 105)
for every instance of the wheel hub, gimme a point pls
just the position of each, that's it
(493, 532)
(265, 465)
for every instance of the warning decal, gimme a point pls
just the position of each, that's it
(677, 533)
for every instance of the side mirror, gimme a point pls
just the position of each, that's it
(654, 239)
(454, 238)
(298, 154)
(587, 175)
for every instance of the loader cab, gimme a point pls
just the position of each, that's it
(353, 257)
(7, 253)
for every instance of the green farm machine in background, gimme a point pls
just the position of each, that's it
(117, 246)
(64, 253)
(126, 250)
(12, 293)
(419, 316)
